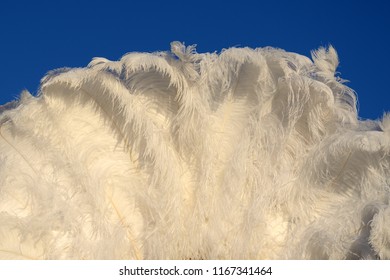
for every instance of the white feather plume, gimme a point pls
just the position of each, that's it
(246, 154)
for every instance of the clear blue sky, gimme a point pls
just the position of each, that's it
(38, 36)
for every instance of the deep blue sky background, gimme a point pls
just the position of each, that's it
(38, 36)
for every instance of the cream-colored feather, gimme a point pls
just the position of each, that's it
(246, 154)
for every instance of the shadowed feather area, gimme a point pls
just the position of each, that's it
(245, 154)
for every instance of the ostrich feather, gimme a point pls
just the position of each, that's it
(246, 154)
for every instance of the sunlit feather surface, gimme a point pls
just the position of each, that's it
(246, 154)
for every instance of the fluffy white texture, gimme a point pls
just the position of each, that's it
(246, 154)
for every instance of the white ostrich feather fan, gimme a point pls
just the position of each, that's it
(246, 154)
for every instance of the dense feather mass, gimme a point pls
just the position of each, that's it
(246, 154)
